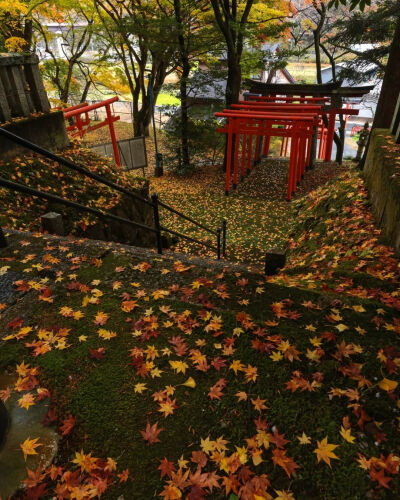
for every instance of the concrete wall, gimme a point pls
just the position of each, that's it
(47, 130)
(383, 184)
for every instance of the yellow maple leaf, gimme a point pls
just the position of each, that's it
(276, 356)
(26, 401)
(388, 385)
(304, 439)
(106, 334)
(284, 495)
(324, 451)
(140, 387)
(236, 366)
(86, 462)
(179, 366)
(346, 434)
(207, 445)
(29, 447)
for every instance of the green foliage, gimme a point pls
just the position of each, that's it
(205, 144)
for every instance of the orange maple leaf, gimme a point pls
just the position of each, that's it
(101, 318)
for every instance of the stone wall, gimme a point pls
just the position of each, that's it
(47, 130)
(383, 183)
(127, 208)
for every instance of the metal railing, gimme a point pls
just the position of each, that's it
(155, 203)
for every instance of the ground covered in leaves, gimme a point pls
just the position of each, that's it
(180, 378)
(20, 211)
(258, 216)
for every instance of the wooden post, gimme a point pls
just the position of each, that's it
(329, 136)
(52, 223)
(3, 241)
(395, 125)
(35, 82)
(5, 110)
(113, 137)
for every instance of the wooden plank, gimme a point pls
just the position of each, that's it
(23, 104)
(395, 125)
(5, 110)
(37, 91)
(325, 89)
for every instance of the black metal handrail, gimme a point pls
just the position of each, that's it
(155, 203)
(68, 163)
(173, 210)
(14, 186)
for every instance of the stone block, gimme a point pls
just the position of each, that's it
(383, 187)
(275, 259)
(46, 130)
(52, 223)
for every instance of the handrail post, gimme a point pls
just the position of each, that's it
(3, 241)
(154, 199)
(224, 237)
(219, 243)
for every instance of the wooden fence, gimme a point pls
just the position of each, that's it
(21, 87)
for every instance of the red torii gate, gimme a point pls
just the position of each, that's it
(299, 127)
(333, 92)
(80, 126)
(301, 123)
(328, 111)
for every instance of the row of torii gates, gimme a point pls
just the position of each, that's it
(301, 115)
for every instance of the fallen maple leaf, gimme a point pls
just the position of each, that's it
(29, 446)
(101, 318)
(324, 451)
(86, 462)
(304, 439)
(123, 476)
(346, 435)
(150, 434)
(67, 425)
(166, 467)
(388, 385)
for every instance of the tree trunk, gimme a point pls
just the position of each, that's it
(184, 61)
(317, 56)
(390, 90)
(390, 85)
(321, 9)
(86, 90)
(233, 81)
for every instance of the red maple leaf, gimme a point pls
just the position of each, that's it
(151, 433)
(15, 323)
(67, 425)
(199, 457)
(97, 353)
(278, 439)
(216, 390)
(380, 477)
(166, 467)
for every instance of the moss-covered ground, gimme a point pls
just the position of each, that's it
(176, 377)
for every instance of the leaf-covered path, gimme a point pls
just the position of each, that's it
(180, 378)
(257, 214)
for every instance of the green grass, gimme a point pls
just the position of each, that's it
(100, 394)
